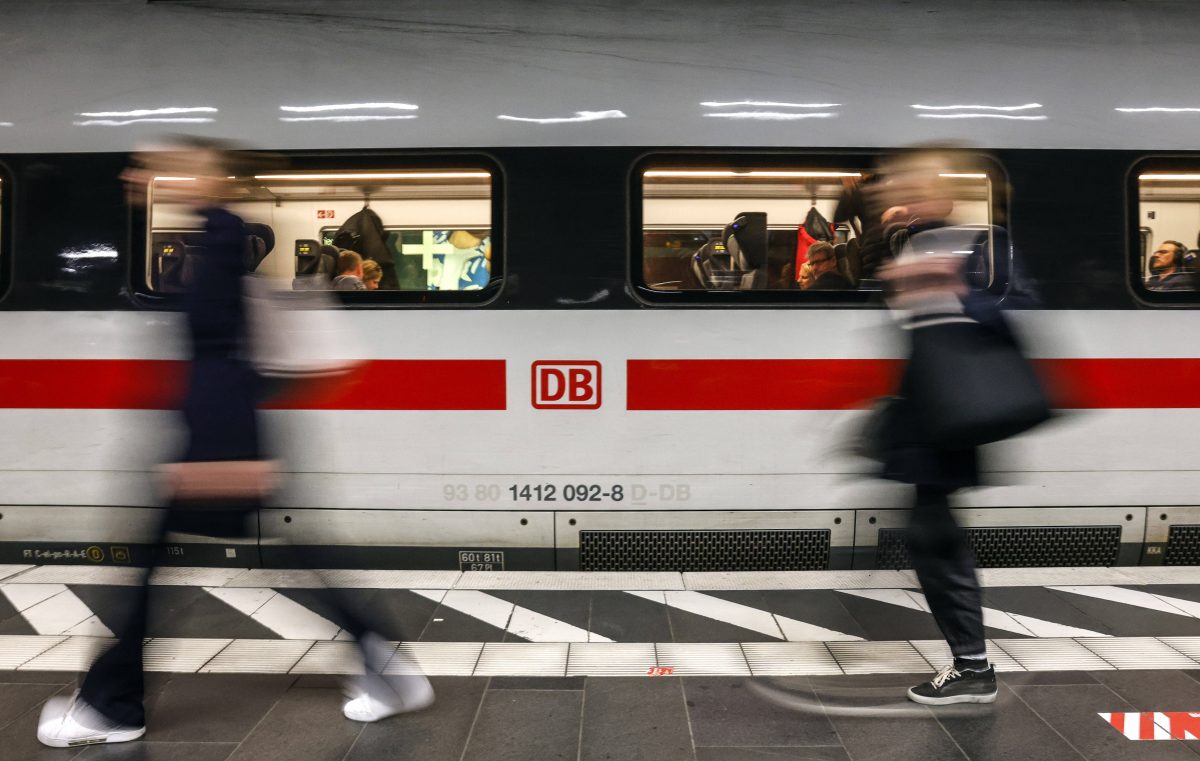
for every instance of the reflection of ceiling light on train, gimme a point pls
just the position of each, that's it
(980, 112)
(347, 118)
(1159, 109)
(768, 116)
(153, 120)
(766, 104)
(1171, 177)
(580, 116)
(753, 173)
(772, 116)
(970, 176)
(351, 107)
(1025, 107)
(6, 124)
(378, 176)
(99, 252)
(984, 116)
(171, 110)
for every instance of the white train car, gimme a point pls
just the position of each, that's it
(590, 401)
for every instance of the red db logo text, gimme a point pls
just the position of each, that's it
(562, 385)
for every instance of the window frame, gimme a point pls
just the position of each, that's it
(365, 161)
(1177, 162)
(815, 160)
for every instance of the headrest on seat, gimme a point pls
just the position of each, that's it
(745, 239)
(308, 254)
(265, 233)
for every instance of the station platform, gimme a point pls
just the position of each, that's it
(1094, 663)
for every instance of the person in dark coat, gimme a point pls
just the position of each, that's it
(363, 232)
(221, 475)
(929, 292)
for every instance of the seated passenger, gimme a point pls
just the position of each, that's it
(372, 274)
(823, 261)
(1166, 268)
(806, 276)
(349, 272)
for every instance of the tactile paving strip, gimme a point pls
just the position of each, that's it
(330, 658)
(878, 658)
(181, 656)
(937, 652)
(611, 659)
(72, 654)
(1052, 655)
(789, 658)
(571, 580)
(703, 658)
(16, 649)
(523, 659)
(435, 658)
(117, 576)
(1137, 653)
(757, 580)
(258, 656)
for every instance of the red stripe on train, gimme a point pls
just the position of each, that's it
(836, 384)
(403, 384)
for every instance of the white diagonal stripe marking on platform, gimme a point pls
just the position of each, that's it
(279, 613)
(54, 609)
(1127, 597)
(524, 623)
(992, 617)
(743, 616)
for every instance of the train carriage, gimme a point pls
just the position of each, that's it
(589, 401)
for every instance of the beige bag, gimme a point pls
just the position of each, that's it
(220, 480)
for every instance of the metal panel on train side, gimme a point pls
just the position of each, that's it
(1129, 445)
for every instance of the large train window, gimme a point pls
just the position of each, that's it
(1165, 265)
(425, 234)
(765, 228)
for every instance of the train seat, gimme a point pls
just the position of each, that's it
(166, 272)
(745, 239)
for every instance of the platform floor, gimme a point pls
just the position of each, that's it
(710, 667)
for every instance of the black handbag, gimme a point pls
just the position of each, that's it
(970, 385)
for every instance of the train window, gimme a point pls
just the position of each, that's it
(747, 229)
(1165, 260)
(423, 234)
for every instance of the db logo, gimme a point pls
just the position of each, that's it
(566, 385)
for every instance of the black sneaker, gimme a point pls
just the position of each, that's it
(953, 686)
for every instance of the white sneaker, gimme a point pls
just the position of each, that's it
(377, 697)
(70, 722)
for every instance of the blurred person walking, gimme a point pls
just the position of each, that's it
(965, 384)
(223, 475)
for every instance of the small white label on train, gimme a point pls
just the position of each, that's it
(480, 560)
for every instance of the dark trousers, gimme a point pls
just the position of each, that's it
(115, 686)
(945, 566)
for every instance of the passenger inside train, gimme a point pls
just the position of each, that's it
(1169, 212)
(741, 230)
(425, 230)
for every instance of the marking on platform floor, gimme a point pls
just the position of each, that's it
(1155, 725)
(54, 609)
(1137, 598)
(576, 580)
(259, 656)
(993, 618)
(279, 613)
(502, 614)
(743, 616)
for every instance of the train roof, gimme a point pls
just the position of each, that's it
(104, 75)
